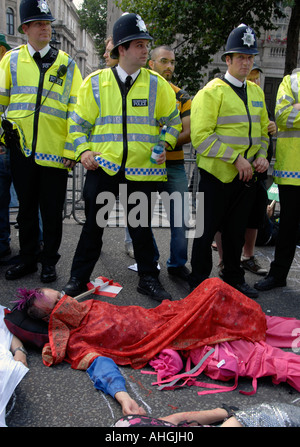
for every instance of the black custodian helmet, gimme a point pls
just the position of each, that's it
(31, 10)
(128, 27)
(241, 40)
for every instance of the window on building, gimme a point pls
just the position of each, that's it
(10, 26)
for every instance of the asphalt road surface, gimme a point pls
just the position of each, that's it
(61, 397)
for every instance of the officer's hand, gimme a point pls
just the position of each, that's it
(244, 168)
(297, 106)
(88, 160)
(272, 128)
(162, 158)
(69, 163)
(260, 164)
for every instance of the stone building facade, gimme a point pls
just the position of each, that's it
(67, 34)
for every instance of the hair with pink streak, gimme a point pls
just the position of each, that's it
(26, 297)
(33, 301)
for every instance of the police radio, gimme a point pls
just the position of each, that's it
(62, 70)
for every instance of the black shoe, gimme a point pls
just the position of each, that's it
(48, 273)
(149, 285)
(20, 270)
(269, 282)
(180, 272)
(5, 253)
(75, 287)
(246, 290)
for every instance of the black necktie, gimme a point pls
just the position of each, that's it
(128, 83)
(38, 59)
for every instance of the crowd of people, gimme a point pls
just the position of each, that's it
(227, 123)
(110, 123)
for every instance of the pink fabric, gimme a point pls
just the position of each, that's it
(242, 358)
(283, 332)
(252, 360)
(167, 362)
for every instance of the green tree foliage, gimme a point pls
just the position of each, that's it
(93, 15)
(198, 29)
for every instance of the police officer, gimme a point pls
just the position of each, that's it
(113, 128)
(229, 129)
(110, 62)
(38, 90)
(287, 175)
(163, 62)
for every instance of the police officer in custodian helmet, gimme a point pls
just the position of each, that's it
(229, 129)
(42, 83)
(132, 101)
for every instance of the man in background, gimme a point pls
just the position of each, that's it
(163, 62)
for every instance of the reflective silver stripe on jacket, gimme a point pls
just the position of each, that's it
(289, 134)
(291, 100)
(63, 98)
(83, 126)
(235, 119)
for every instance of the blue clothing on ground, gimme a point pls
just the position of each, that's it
(106, 376)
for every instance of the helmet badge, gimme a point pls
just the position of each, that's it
(42, 4)
(248, 38)
(140, 23)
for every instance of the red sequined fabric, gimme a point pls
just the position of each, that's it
(132, 335)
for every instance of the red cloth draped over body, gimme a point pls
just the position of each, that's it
(132, 335)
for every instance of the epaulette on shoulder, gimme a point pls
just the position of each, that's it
(215, 83)
(94, 73)
(16, 48)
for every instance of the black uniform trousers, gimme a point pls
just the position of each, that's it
(43, 189)
(289, 196)
(226, 209)
(90, 243)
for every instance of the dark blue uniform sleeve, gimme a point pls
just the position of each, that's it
(106, 376)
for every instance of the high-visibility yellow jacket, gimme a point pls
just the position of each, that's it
(42, 129)
(287, 164)
(222, 127)
(124, 128)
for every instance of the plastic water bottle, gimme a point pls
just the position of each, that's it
(159, 147)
